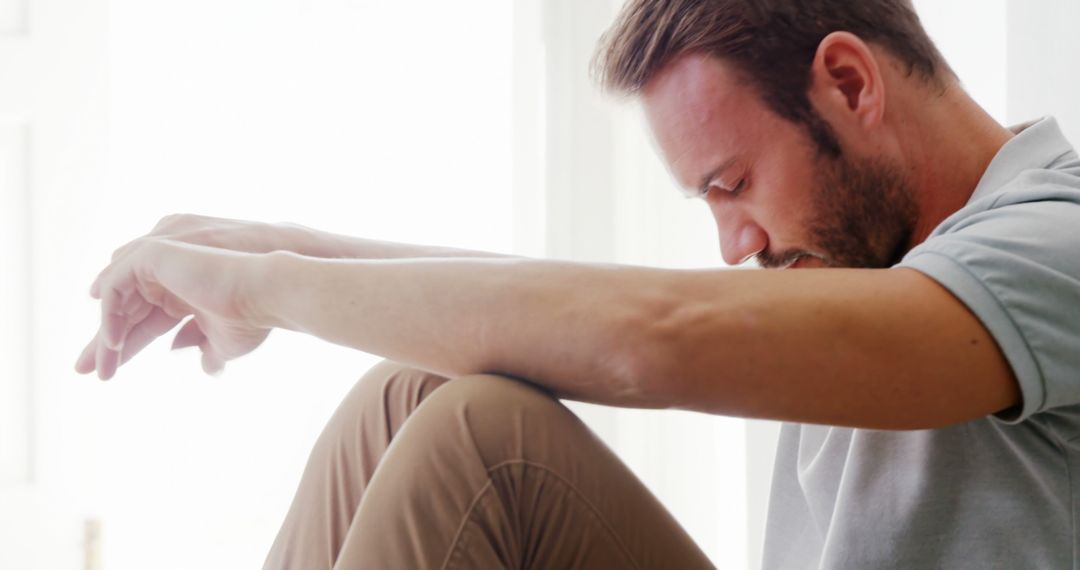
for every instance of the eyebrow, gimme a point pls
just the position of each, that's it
(708, 178)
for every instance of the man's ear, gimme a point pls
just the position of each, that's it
(846, 82)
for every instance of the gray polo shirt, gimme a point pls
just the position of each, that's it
(999, 492)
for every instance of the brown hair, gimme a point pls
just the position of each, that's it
(771, 43)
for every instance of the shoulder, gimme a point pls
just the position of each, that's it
(1035, 214)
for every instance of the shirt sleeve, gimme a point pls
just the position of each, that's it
(1017, 268)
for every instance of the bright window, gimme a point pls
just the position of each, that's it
(389, 120)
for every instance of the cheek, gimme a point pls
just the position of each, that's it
(786, 168)
(783, 196)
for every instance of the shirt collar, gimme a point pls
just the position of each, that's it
(1038, 144)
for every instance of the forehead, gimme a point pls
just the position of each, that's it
(700, 112)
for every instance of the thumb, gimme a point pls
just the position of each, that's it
(189, 335)
(211, 363)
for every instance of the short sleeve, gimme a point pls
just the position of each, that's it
(1017, 268)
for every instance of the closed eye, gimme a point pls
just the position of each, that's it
(738, 188)
(733, 191)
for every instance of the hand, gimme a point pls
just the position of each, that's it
(153, 283)
(224, 233)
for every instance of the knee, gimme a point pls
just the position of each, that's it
(486, 394)
(382, 399)
(395, 386)
(503, 417)
(390, 373)
(494, 394)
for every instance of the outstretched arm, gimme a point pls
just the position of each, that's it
(868, 348)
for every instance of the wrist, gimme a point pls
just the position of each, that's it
(262, 289)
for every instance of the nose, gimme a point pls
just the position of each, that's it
(740, 237)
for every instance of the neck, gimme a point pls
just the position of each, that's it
(949, 142)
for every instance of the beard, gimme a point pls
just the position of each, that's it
(864, 215)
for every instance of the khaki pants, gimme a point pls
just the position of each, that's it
(415, 471)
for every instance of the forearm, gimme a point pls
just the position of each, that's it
(318, 243)
(882, 349)
(567, 327)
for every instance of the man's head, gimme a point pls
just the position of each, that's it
(775, 111)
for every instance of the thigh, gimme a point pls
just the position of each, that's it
(342, 462)
(493, 472)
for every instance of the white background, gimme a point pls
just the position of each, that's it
(468, 124)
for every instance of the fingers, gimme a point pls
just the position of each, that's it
(191, 335)
(122, 309)
(106, 357)
(112, 320)
(85, 363)
(106, 361)
(131, 317)
(211, 363)
(156, 323)
(95, 287)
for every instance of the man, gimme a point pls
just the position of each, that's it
(924, 359)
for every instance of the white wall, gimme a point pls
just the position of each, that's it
(52, 123)
(1043, 63)
(971, 34)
